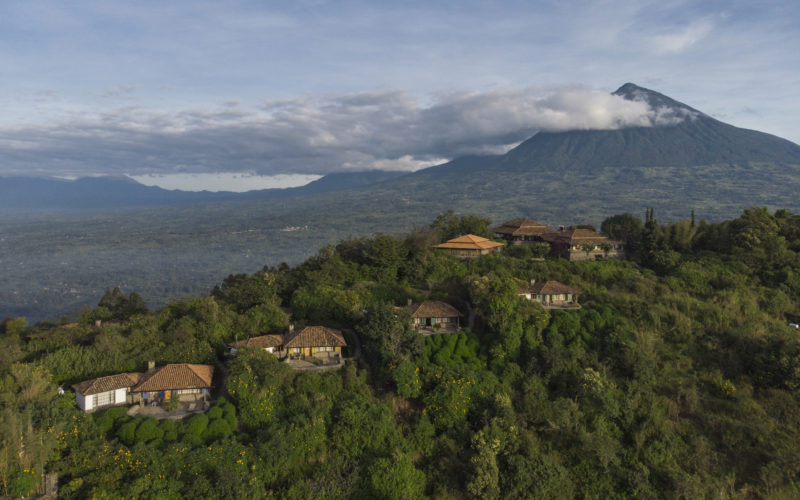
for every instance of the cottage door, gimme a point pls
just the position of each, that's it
(308, 352)
(167, 395)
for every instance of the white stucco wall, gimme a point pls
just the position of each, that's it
(87, 403)
(120, 396)
(81, 401)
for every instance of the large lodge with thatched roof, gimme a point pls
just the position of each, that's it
(469, 246)
(572, 244)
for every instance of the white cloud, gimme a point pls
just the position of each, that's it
(681, 40)
(311, 134)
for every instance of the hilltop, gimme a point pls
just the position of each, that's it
(676, 377)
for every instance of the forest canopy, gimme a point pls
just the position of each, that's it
(677, 376)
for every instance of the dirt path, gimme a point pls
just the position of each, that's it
(223, 379)
(356, 347)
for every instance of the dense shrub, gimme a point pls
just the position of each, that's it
(127, 432)
(214, 412)
(148, 430)
(169, 429)
(217, 429)
(21, 483)
(197, 424)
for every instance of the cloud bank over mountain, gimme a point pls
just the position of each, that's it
(315, 134)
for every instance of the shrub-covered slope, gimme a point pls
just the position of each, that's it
(677, 378)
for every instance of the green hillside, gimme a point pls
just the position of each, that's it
(677, 378)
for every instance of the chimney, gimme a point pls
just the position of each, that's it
(151, 365)
(533, 282)
(291, 327)
(409, 302)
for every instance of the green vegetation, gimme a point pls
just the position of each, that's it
(677, 378)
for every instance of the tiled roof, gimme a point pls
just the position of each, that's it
(176, 376)
(577, 237)
(314, 336)
(105, 384)
(549, 287)
(433, 309)
(521, 227)
(261, 342)
(469, 242)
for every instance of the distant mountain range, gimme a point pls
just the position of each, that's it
(585, 175)
(26, 193)
(52, 262)
(698, 163)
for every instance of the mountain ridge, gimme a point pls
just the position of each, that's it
(32, 193)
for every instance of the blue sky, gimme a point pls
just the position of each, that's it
(310, 87)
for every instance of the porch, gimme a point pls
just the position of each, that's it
(317, 358)
(156, 398)
(438, 328)
(161, 412)
(317, 361)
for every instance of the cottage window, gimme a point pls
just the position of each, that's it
(104, 398)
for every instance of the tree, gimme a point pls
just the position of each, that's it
(388, 334)
(540, 249)
(362, 425)
(243, 291)
(120, 305)
(625, 228)
(485, 481)
(680, 235)
(606, 247)
(450, 225)
(406, 376)
(449, 402)
(395, 479)
(518, 251)
(148, 430)
(757, 240)
(496, 302)
(12, 326)
(254, 383)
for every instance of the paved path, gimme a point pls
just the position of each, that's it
(306, 366)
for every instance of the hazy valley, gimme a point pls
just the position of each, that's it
(63, 251)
